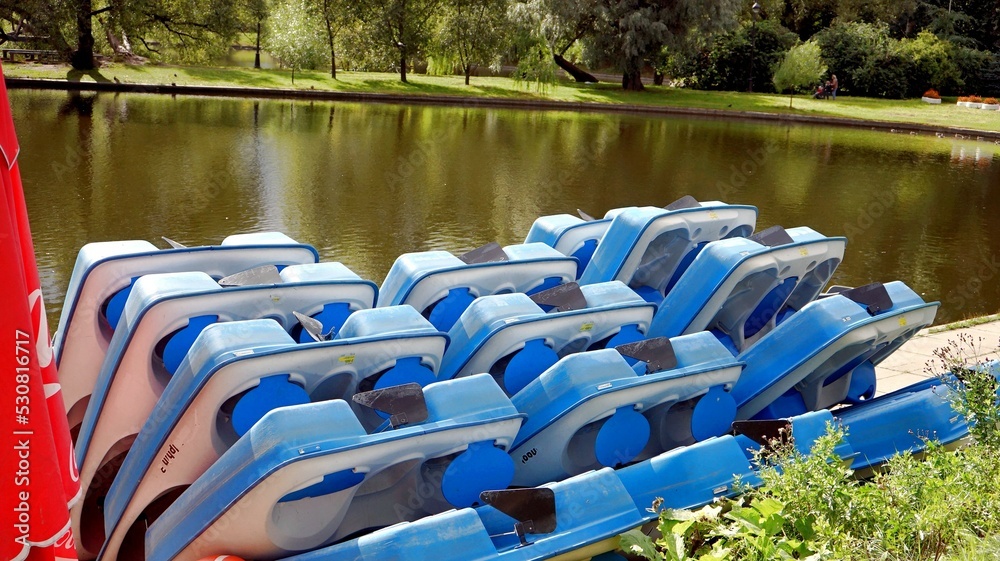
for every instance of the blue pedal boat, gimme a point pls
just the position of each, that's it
(238, 371)
(512, 337)
(579, 237)
(441, 286)
(825, 354)
(103, 276)
(741, 288)
(649, 248)
(593, 410)
(306, 476)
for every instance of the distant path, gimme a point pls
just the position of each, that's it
(493, 102)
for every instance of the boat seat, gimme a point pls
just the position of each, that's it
(593, 409)
(575, 236)
(309, 475)
(825, 354)
(163, 316)
(103, 276)
(237, 372)
(741, 288)
(513, 338)
(648, 248)
(441, 286)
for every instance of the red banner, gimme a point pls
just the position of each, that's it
(39, 477)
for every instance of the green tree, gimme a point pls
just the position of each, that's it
(801, 68)
(295, 36)
(335, 15)
(474, 32)
(402, 26)
(546, 31)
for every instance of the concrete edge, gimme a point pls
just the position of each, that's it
(486, 102)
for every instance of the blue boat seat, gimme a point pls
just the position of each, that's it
(309, 475)
(163, 316)
(571, 235)
(740, 288)
(103, 277)
(594, 409)
(237, 372)
(648, 248)
(510, 336)
(441, 286)
(825, 353)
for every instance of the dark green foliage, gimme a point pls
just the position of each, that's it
(853, 48)
(724, 63)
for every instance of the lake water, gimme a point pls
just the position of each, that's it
(365, 183)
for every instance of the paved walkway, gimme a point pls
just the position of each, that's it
(909, 363)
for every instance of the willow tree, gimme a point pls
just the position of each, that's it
(555, 26)
(630, 33)
(295, 36)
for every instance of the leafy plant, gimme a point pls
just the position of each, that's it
(801, 68)
(990, 101)
(932, 94)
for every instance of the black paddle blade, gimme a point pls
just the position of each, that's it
(873, 296)
(562, 298)
(765, 431)
(772, 237)
(585, 216)
(173, 244)
(657, 353)
(534, 508)
(404, 403)
(268, 274)
(313, 327)
(687, 201)
(489, 253)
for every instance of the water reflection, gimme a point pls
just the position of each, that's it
(365, 183)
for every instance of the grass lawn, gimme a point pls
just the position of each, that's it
(897, 111)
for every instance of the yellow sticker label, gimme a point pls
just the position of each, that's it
(902, 321)
(803, 251)
(587, 326)
(713, 215)
(347, 359)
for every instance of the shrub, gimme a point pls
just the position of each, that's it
(990, 101)
(931, 63)
(932, 93)
(963, 98)
(847, 49)
(975, 99)
(724, 62)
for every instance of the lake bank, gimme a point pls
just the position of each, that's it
(900, 116)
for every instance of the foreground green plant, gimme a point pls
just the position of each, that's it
(941, 504)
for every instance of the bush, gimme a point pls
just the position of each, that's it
(884, 74)
(932, 94)
(724, 63)
(848, 48)
(932, 63)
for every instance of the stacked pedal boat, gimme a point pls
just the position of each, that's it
(518, 402)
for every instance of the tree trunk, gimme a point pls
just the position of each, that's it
(331, 36)
(632, 81)
(293, 74)
(790, 98)
(468, 71)
(573, 70)
(256, 56)
(83, 58)
(657, 78)
(402, 66)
